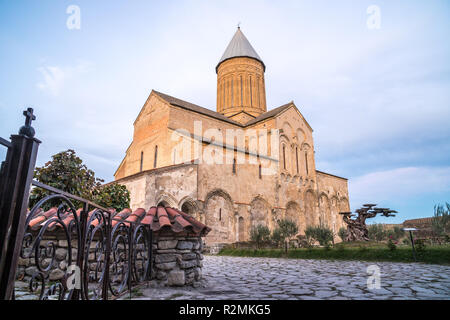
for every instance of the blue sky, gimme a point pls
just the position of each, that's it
(378, 99)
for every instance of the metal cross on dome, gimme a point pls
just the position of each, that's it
(29, 116)
(27, 129)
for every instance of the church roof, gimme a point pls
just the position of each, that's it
(193, 107)
(269, 114)
(239, 46)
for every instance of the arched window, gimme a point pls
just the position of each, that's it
(224, 85)
(155, 161)
(142, 161)
(234, 166)
(284, 157)
(251, 98)
(242, 93)
(260, 172)
(306, 161)
(296, 157)
(231, 103)
(220, 214)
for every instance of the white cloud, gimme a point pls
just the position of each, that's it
(400, 184)
(55, 77)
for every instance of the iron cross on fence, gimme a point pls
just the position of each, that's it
(27, 129)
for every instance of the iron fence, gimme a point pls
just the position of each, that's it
(104, 255)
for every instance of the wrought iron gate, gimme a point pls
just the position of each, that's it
(105, 256)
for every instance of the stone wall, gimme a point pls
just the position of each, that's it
(177, 260)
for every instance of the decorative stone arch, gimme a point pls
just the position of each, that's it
(219, 215)
(189, 206)
(294, 213)
(344, 205)
(324, 209)
(242, 232)
(301, 136)
(260, 212)
(310, 207)
(166, 200)
(335, 217)
(287, 129)
(286, 155)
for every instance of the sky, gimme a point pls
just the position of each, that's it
(374, 85)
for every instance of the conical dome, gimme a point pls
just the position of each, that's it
(239, 46)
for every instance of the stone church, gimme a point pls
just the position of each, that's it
(169, 159)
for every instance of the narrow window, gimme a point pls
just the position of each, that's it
(296, 157)
(259, 96)
(306, 160)
(220, 214)
(284, 157)
(231, 104)
(155, 161)
(251, 98)
(142, 161)
(234, 165)
(260, 172)
(242, 93)
(224, 84)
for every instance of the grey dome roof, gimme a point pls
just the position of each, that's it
(239, 46)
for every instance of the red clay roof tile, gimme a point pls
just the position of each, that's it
(157, 218)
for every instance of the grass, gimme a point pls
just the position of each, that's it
(351, 251)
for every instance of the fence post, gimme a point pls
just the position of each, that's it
(14, 202)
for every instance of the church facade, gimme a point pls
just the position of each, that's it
(233, 168)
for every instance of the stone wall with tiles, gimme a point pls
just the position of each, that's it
(177, 260)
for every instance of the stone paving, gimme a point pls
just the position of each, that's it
(226, 278)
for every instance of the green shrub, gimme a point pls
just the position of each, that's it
(376, 232)
(259, 234)
(276, 237)
(321, 234)
(342, 233)
(420, 245)
(398, 232)
(441, 222)
(391, 245)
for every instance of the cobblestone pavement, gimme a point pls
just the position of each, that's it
(227, 278)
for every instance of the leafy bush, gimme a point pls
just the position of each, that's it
(67, 172)
(398, 232)
(286, 229)
(342, 233)
(441, 222)
(392, 245)
(420, 245)
(112, 196)
(276, 237)
(259, 234)
(321, 234)
(376, 232)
